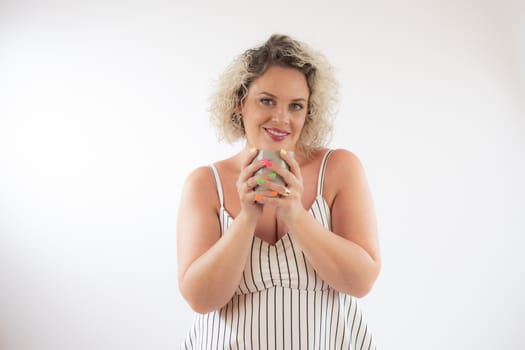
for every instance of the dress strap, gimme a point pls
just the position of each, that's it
(320, 178)
(217, 184)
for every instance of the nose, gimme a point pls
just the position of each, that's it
(281, 115)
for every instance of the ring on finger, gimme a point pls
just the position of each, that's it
(286, 192)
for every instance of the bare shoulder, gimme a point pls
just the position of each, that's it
(199, 188)
(343, 170)
(344, 160)
(199, 177)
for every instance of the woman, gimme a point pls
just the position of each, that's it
(278, 268)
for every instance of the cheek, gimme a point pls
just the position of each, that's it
(252, 120)
(300, 122)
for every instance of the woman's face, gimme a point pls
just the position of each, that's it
(274, 111)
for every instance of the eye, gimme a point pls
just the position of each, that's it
(296, 106)
(266, 101)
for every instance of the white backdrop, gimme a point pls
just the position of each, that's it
(103, 112)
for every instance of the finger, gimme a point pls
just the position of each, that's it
(248, 186)
(273, 197)
(255, 181)
(264, 183)
(266, 197)
(286, 192)
(252, 167)
(288, 177)
(245, 182)
(292, 163)
(249, 157)
(274, 190)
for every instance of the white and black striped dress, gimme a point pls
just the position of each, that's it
(281, 302)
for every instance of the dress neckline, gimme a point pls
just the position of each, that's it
(318, 198)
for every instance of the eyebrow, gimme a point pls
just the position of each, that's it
(272, 95)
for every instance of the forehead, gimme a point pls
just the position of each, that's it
(282, 82)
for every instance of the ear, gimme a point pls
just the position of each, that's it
(238, 108)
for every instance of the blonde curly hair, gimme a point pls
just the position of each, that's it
(278, 50)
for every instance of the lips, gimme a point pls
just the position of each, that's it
(276, 134)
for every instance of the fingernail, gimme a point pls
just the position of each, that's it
(283, 151)
(274, 193)
(257, 197)
(272, 175)
(266, 162)
(260, 181)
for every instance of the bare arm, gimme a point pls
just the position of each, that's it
(211, 265)
(347, 257)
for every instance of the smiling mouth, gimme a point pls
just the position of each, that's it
(276, 134)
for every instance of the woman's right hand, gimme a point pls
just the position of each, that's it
(246, 184)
